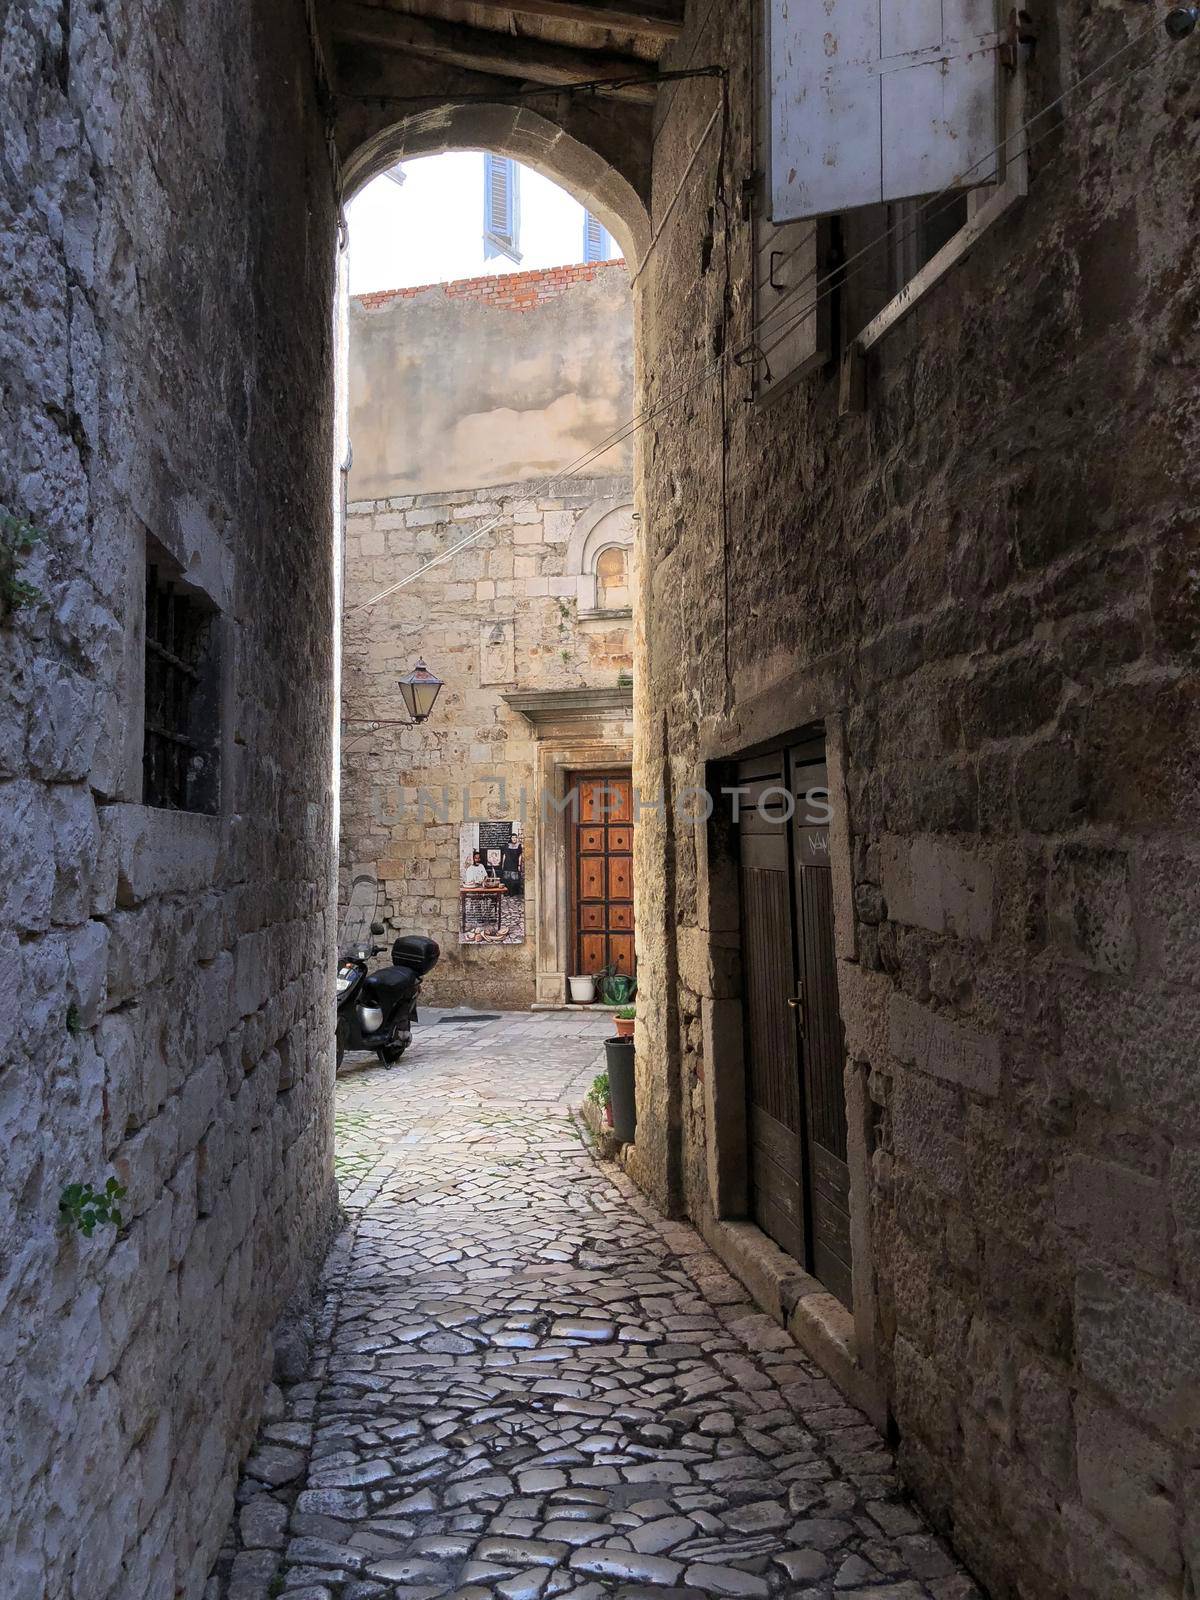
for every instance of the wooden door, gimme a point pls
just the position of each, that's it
(819, 1022)
(799, 1179)
(602, 872)
(774, 1109)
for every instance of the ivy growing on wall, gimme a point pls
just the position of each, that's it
(80, 1206)
(17, 539)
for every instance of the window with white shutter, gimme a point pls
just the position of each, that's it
(878, 100)
(501, 207)
(893, 132)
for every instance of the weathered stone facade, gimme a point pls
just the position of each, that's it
(523, 374)
(165, 990)
(983, 588)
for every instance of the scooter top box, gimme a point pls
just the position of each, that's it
(416, 951)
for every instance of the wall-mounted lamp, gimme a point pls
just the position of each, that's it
(420, 690)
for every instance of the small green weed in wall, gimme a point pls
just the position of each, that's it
(17, 539)
(80, 1206)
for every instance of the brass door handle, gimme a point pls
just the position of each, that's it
(795, 1002)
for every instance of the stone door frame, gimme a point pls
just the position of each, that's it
(558, 758)
(843, 1342)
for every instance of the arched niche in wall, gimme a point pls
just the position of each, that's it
(600, 557)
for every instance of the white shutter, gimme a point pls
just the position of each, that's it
(876, 100)
(792, 324)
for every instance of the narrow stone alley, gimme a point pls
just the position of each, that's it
(526, 1384)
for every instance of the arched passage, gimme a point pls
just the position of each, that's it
(528, 137)
(553, 669)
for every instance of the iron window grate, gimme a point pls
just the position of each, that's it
(176, 754)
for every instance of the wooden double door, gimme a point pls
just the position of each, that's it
(799, 1179)
(602, 872)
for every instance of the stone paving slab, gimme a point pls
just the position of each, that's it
(527, 1385)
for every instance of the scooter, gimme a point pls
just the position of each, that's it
(376, 1010)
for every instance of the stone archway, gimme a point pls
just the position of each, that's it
(593, 728)
(528, 137)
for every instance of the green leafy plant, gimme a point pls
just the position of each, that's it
(627, 1014)
(624, 680)
(17, 539)
(74, 1022)
(614, 988)
(598, 1093)
(80, 1206)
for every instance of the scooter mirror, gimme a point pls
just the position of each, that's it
(377, 927)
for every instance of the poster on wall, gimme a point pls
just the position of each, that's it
(491, 895)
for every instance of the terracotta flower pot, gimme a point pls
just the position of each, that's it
(625, 1027)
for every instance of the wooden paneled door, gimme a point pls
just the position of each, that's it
(819, 1022)
(774, 1107)
(602, 872)
(795, 1055)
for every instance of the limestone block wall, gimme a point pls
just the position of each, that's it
(983, 586)
(502, 614)
(165, 991)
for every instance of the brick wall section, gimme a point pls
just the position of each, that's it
(507, 291)
(165, 979)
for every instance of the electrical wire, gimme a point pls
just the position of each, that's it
(537, 91)
(834, 281)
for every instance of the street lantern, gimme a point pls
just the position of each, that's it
(420, 689)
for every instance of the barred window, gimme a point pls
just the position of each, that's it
(179, 752)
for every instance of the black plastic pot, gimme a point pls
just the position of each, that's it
(620, 1088)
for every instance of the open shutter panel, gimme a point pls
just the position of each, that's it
(594, 240)
(500, 207)
(876, 100)
(791, 313)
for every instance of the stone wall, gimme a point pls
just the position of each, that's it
(165, 1003)
(984, 587)
(501, 615)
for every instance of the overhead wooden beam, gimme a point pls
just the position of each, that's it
(662, 18)
(484, 50)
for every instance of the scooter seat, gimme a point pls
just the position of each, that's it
(390, 984)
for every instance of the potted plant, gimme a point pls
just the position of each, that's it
(583, 989)
(613, 987)
(599, 1096)
(619, 1056)
(624, 1020)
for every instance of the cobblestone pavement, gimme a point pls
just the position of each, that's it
(525, 1384)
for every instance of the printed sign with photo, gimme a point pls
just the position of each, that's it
(491, 892)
